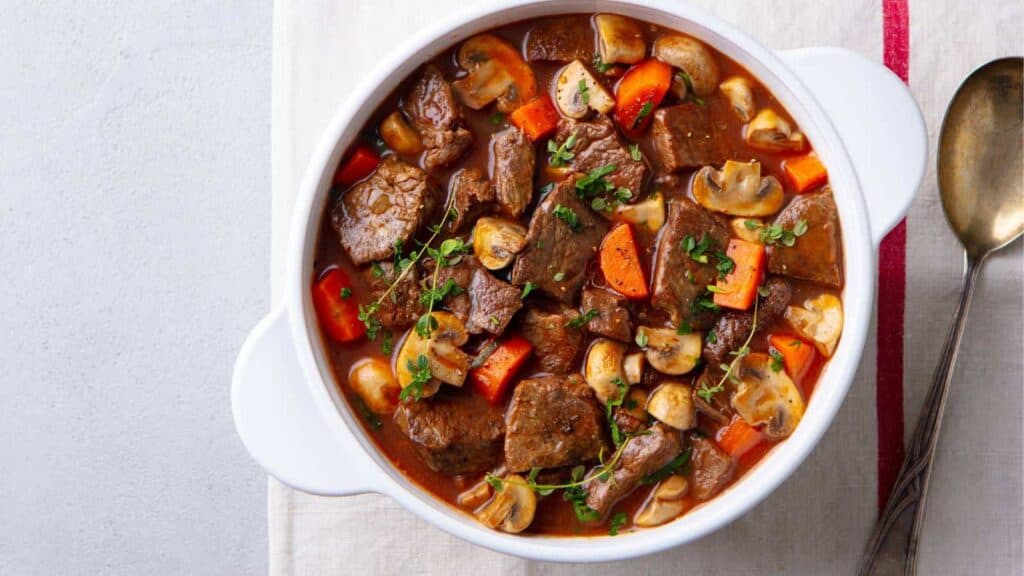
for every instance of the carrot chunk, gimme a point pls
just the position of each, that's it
(494, 376)
(737, 437)
(360, 164)
(739, 288)
(537, 118)
(797, 355)
(805, 172)
(336, 307)
(640, 91)
(620, 263)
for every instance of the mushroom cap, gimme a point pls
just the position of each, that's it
(691, 56)
(512, 507)
(766, 397)
(496, 241)
(496, 71)
(603, 367)
(820, 320)
(648, 213)
(665, 503)
(575, 102)
(771, 132)
(738, 189)
(672, 404)
(671, 353)
(620, 39)
(371, 378)
(740, 94)
(450, 333)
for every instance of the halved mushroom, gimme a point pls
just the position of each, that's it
(820, 320)
(669, 352)
(672, 403)
(577, 92)
(603, 368)
(769, 131)
(665, 503)
(512, 507)
(620, 39)
(747, 229)
(692, 57)
(399, 136)
(633, 368)
(649, 213)
(446, 362)
(496, 72)
(474, 496)
(372, 380)
(766, 397)
(740, 95)
(496, 241)
(738, 189)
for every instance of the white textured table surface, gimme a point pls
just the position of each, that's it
(818, 521)
(134, 242)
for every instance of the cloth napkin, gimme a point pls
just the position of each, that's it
(818, 521)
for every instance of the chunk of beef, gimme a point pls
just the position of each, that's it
(733, 327)
(435, 114)
(598, 144)
(512, 170)
(686, 136)
(679, 280)
(401, 308)
(553, 421)
(711, 468)
(453, 434)
(555, 345)
(612, 320)
(494, 303)
(718, 407)
(461, 273)
(642, 456)
(817, 255)
(628, 423)
(473, 196)
(389, 206)
(555, 258)
(560, 40)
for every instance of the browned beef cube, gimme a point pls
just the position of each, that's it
(598, 144)
(473, 196)
(555, 345)
(555, 257)
(612, 320)
(461, 273)
(494, 303)
(389, 206)
(435, 114)
(553, 421)
(453, 434)
(817, 255)
(711, 468)
(679, 280)
(733, 327)
(512, 163)
(643, 455)
(560, 40)
(685, 136)
(401, 307)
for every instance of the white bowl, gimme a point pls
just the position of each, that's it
(862, 122)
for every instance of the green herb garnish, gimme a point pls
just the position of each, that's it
(582, 319)
(641, 339)
(634, 152)
(645, 111)
(497, 118)
(679, 463)
(600, 65)
(617, 521)
(776, 363)
(527, 288)
(421, 375)
(567, 215)
(561, 153)
(584, 92)
(558, 277)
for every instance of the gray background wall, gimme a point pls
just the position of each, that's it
(134, 247)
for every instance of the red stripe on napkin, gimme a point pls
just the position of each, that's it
(892, 286)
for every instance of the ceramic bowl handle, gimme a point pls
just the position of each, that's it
(879, 122)
(281, 425)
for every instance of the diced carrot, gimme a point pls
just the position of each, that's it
(336, 307)
(739, 288)
(537, 118)
(797, 355)
(737, 437)
(492, 378)
(639, 92)
(620, 263)
(360, 164)
(805, 172)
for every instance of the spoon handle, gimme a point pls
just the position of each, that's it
(895, 539)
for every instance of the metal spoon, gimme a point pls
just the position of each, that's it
(981, 181)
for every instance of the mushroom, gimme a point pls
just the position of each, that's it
(633, 368)
(399, 136)
(446, 362)
(620, 39)
(603, 369)
(672, 403)
(372, 380)
(820, 320)
(738, 189)
(669, 352)
(693, 58)
(769, 131)
(649, 213)
(665, 503)
(747, 229)
(766, 397)
(738, 92)
(496, 241)
(635, 404)
(577, 92)
(512, 507)
(474, 496)
(496, 72)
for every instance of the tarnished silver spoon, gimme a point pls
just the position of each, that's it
(981, 182)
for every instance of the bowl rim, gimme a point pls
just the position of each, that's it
(747, 491)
